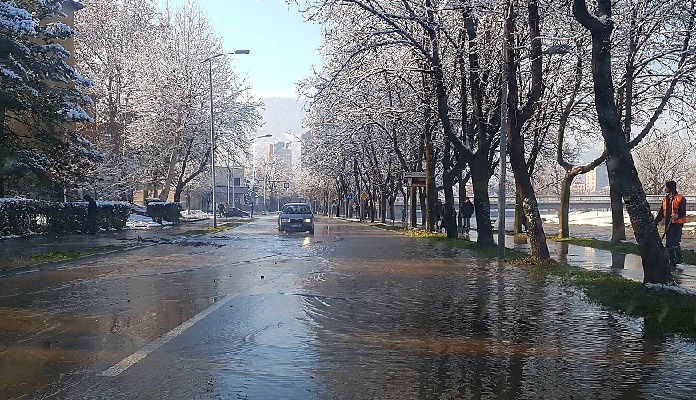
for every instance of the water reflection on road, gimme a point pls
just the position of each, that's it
(627, 265)
(401, 319)
(352, 312)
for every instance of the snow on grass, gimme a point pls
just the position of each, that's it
(672, 288)
(136, 221)
(600, 218)
(194, 215)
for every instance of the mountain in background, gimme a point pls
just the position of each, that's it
(282, 118)
(282, 115)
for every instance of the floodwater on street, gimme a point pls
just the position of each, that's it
(352, 312)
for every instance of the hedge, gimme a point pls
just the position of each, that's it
(24, 216)
(164, 211)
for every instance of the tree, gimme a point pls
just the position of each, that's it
(666, 158)
(113, 45)
(655, 46)
(418, 29)
(367, 106)
(619, 160)
(40, 100)
(153, 82)
(518, 116)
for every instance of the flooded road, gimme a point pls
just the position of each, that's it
(352, 312)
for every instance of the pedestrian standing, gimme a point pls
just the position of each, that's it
(221, 209)
(438, 210)
(673, 211)
(466, 209)
(92, 210)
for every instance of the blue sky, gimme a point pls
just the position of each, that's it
(283, 46)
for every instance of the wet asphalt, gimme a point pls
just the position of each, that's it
(627, 265)
(352, 312)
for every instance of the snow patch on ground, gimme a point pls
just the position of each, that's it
(601, 218)
(673, 288)
(194, 215)
(136, 221)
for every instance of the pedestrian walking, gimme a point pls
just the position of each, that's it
(438, 210)
(221, 209)
(92, 210)
(673, 211)
(466, 209)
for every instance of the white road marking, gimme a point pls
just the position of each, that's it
(129, 361)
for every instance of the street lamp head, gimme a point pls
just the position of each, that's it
(224, 54)
(563, 48)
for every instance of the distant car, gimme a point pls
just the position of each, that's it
(296, 217)
(236, 212)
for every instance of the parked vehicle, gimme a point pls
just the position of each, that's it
(236, 212)
(296, 217)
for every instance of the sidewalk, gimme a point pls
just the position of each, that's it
(14, 248)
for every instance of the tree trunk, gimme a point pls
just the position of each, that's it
(618, 227)
(392, 209)
(449, 221)
(535, 229)
(518, 117)
(462, 195)
(482, 203)
(520, 218)
(430, 186)
(173, 159)
(619, 160)
(413, 192)
(177, 192)
(424, 207)
(564, 209)
(383, 205)
(358, 190)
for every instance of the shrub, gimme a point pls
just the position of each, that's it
(164, 211)
(24, 216)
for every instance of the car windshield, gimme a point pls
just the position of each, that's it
(296, 209)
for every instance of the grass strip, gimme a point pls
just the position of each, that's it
(42, 258)
(664, 310)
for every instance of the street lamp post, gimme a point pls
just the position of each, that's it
(209, 60)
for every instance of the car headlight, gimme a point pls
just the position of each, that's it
(308, 220)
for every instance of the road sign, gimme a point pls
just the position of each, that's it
(236, 201)
(286, 185)
(363, 195)
(349, 196)
(414, 178)
(414, 174)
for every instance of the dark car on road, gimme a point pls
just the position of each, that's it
(236, 212)
(296, 217)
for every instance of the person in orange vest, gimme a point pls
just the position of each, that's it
(673, 211)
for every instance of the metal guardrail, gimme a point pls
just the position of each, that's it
(590, 202)
(583, 202)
